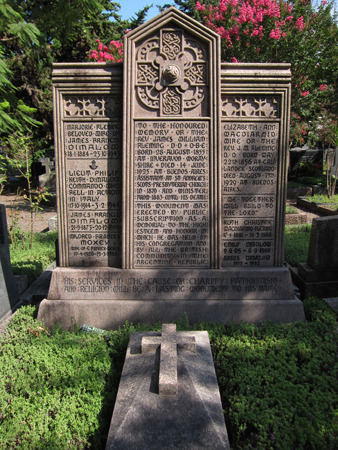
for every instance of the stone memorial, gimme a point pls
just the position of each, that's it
(9, 294)
(319, 275)
(180, 207)
(187, 413)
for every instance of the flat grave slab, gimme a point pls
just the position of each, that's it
(191, 419)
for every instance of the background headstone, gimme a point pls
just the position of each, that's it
(9, 294)
(319, 275)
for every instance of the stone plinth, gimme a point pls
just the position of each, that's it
(319, 275)
(191, 419)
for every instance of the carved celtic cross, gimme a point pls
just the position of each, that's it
(168, 343)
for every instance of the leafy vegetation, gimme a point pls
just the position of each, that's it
(278, 382)
(296, 244)
(32, 260)
(290, 210)
(332, 202)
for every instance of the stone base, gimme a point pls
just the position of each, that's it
(111, 314)
(318, 289)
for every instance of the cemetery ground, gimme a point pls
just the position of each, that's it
(278, 382)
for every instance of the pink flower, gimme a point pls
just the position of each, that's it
(199, 7)
(234, 60)
(300, 23)
(324, 2)
(305, 93)
(323, 87)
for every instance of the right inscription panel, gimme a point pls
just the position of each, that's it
(249, 190)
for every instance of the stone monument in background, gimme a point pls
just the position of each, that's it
(9, 294)
(180, 208)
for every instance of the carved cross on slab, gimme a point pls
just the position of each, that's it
(168, 342)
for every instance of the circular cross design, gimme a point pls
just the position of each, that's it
(171, 73)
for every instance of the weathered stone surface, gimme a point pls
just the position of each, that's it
(184, 284)
(111, 314)
(89, 163)
(192, 419)
(168, 343)
(9, 294)
(201, 217)
(323, 247)
(172, 86)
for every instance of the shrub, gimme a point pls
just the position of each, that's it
(296, 243)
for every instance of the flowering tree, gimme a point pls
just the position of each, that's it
(285, 31)
(113, 52)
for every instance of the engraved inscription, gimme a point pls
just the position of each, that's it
(93, 185)
(208, 285)
(249, 183)
(171, 191)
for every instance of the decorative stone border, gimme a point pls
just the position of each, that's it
(316, 207)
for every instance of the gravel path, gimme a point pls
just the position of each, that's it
(18, 211)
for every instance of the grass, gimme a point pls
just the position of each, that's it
(278, 382)
(331, 202)
(290, 210)
(32, 261)
(296, 244)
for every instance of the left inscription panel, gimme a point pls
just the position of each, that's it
(92, 135)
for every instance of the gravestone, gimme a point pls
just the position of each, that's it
(193, 220)
(319, 275)
(9, 294)
(187, 414)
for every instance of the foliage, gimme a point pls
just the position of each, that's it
(296, 243)
(54, 387)
(308, 180)
(32, 260)
(20, 153)
(278, 382)
(65, 31)
(331, 202)
(290, 210)
(14, 113)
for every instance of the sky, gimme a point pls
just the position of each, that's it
(130, 7)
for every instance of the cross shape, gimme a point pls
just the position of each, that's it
(168, 343)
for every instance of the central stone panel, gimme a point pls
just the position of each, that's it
(171, 138)
(171, 191)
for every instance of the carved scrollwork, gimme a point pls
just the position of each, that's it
(251, 106)
(92, 106)
(171, 44)
(171, 103)
(171, 73)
